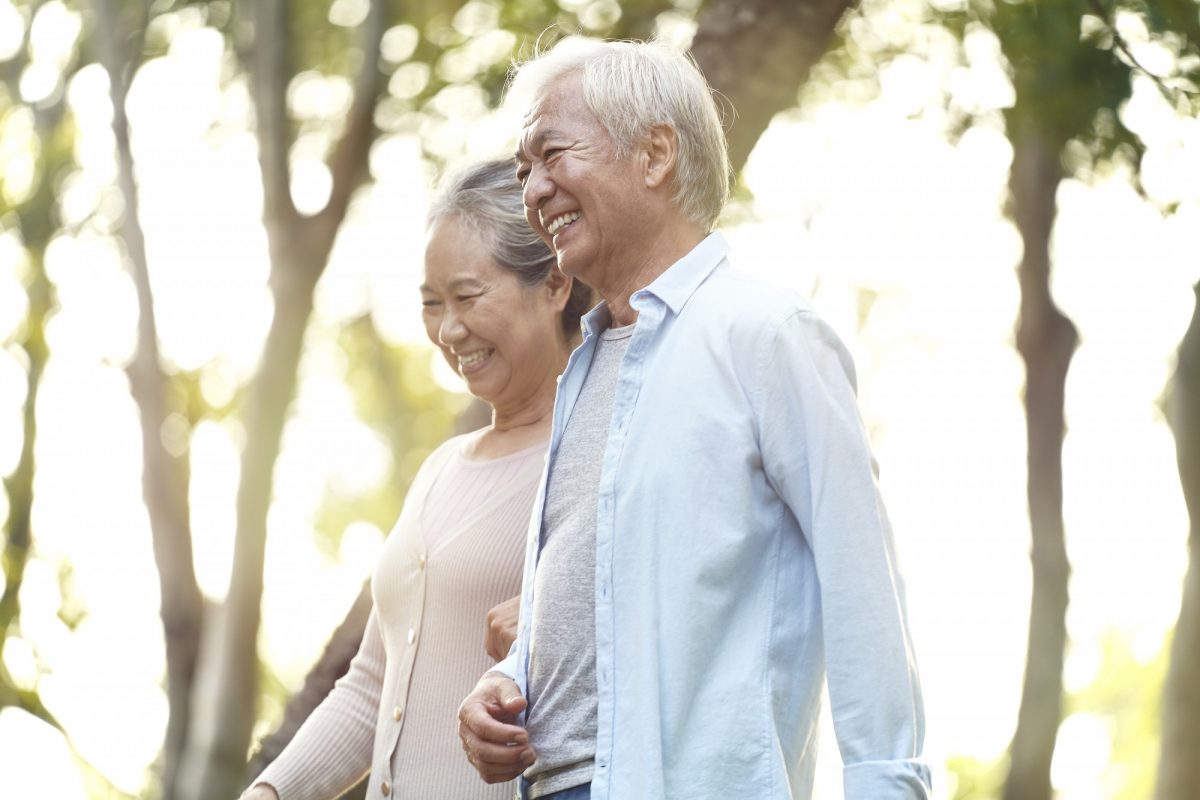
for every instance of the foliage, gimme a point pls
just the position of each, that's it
(1124, 692)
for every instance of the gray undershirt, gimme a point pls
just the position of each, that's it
(562, 665)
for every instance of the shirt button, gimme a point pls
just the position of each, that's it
(412, 635)
(397, 712)
(386, 788)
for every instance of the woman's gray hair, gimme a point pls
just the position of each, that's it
(633, 86)
(487, 197)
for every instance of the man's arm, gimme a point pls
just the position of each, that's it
(816, 455)
(495, 745)
(502, 627)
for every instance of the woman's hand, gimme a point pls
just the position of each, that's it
(502, 628)
(260, 791)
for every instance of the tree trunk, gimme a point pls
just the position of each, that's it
(1179, 769)
(299, 248)
(1046, 340)
(164, 475)
(757, 53)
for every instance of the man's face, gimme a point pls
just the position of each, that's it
(581, 199)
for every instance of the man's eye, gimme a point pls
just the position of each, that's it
(462, 298)
(522, 175)
(431, 303)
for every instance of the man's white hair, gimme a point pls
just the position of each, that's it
(631, 87)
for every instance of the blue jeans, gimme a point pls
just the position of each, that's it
(583, 792)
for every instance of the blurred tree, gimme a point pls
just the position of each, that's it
(1179, 770)
(119, 40)
(1177, 25)
(1071, 71)
(28, 212)
(299, 247)
(1122, 693)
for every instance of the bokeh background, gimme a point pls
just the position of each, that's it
(215, 387)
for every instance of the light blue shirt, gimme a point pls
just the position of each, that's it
(743, 555)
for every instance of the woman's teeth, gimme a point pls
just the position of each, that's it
(473, 358)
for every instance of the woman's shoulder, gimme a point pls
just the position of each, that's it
(443, 453)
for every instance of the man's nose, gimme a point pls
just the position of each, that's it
(538, 187)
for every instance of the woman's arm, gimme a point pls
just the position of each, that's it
(332, 750)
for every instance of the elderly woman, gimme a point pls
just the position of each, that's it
(505, 318)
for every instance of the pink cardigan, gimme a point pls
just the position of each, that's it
(394, 713)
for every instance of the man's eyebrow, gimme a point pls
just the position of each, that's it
(535, 142)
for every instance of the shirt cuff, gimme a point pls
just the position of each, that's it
(902, 779)
(507, 667)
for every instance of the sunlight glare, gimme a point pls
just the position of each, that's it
(1084, 660)
(32, 759)
(14, 300)
(18, 148)
(21, 663)
(1081, 754)
(1148, 114)
(52, 35)
(360, 546)
(476, 17)
(12, 31)
(212, 498)
(399, 43)
(94, 287)
(311, 95)
(348, 13)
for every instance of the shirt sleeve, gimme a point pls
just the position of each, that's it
(332, 751)
(816, 456)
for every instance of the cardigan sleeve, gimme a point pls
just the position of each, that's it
(332, 750)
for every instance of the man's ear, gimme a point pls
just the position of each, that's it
(661, 148)
(558, 287)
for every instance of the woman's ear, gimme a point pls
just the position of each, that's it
(558, 287)
(660, 153)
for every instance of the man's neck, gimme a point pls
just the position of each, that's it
(667, 249)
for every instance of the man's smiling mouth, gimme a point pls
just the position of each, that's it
(558, 223)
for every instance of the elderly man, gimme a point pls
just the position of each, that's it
(709, 545)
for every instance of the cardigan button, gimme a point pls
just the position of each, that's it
(412, 635)
(422, 560)
(397, 712)
(386, 788)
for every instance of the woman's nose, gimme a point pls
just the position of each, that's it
(452, 329)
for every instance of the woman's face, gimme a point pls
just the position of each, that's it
(505, 339)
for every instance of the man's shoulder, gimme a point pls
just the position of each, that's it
(747, 297)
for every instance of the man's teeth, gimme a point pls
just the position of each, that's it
(558, 223)
(473, 358)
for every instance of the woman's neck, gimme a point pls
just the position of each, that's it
(517, 428)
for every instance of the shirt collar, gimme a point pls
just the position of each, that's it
(674, 287)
